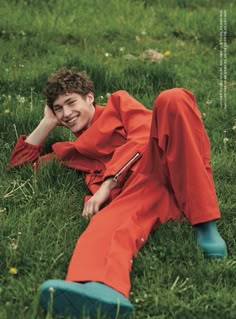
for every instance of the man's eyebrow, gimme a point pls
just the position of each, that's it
(66, 101)
(69, 100)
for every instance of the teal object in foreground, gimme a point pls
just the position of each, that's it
(209, 240)
(79, 300)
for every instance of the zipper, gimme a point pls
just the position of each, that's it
(115, 178)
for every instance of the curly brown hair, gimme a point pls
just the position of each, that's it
(67, 81)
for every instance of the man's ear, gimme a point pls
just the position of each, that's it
(90, 97)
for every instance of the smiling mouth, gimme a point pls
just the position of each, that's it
(71, 121)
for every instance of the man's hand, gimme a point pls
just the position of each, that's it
(50, 116)
(93, 205)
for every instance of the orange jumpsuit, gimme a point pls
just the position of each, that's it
(161, 161)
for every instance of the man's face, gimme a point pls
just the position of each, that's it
(74, 111)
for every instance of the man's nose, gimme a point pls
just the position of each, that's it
(67, 111)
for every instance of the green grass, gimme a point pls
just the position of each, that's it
(40, 213)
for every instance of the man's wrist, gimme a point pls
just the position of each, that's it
(110, 183)
(48, 123)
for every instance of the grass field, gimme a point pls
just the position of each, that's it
(40, 213)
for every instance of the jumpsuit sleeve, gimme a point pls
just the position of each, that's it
(24, 152)
(136, 120)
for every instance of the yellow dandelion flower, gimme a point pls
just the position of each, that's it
(13, 271)
(7, 111)
(167, 53)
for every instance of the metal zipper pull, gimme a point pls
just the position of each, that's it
(123, 168)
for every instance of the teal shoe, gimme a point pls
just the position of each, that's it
(209, 240)
(79, 300)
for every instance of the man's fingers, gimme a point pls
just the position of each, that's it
(90, 208)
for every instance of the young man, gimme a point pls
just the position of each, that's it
(142, 167)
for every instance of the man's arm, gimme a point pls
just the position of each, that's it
(136, 121)
(28, 149)
(42, 131)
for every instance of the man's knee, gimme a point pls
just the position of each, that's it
(174, 100)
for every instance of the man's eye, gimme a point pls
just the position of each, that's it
(57, 109)
(72, 102)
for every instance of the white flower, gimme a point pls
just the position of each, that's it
(14, 245)
(234, 127)
(225, 140)
(20, 99)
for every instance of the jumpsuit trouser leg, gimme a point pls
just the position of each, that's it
(179, 134)
(173, 176)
